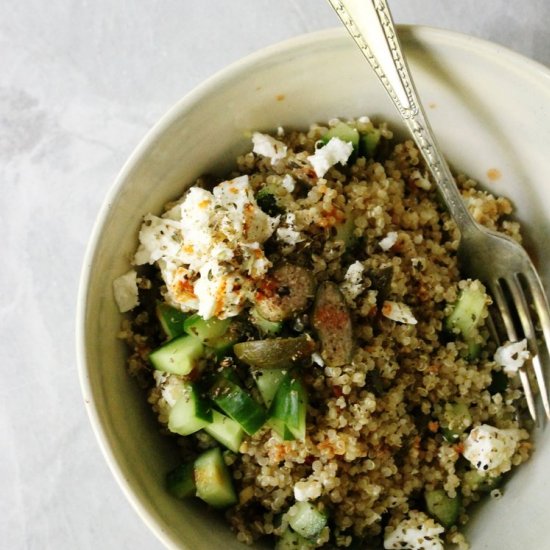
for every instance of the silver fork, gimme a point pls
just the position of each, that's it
(496, 260)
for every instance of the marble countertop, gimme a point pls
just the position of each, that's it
(80, 83)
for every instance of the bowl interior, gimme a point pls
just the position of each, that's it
(491, 111)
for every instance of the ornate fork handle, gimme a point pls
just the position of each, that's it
(371, 26)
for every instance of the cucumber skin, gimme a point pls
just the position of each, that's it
(171, 320)
(238, 405)
(213, 480)
(180, 482)
(287, 414)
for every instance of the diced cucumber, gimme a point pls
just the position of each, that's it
(171, 320)
(179, 356)
(482, 483)
(206, 331)
(343, 131)
(306, 519)
(263, 325)
(442, 508)
(223, 345)
(288, 410)
(344, 230)
(456, 418)
(213, 480)
(468, 311)
(238, 405)
(225, 430)
(290, 540)
(369, 143)
(268, 381)
(180, 482)
(190, 414)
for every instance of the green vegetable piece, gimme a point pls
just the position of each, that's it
(275, 353)
(344, 230)
(206, 331)
(343, 131)
(171, 320)
(290, 540)
(468, 311)
(213, 480)
(263, 325)
(442, 508)
(456, 418)
(499, 382)
(306, 519)
(268, 381)
(481, 483)
(369, 143)
(180, 482)
(225, 430)
(190, 414)
(178, 356)
(289, 408)
(238, 405)
(267, 201)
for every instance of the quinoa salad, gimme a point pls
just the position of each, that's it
(303, 333)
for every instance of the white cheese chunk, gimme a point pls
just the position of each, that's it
(307, 490)
(388, 241)
(336, 150)
(417, 532)
(269, 147)
(287, 232)
(125, 290)
(353, 285)
(490, 450)
(208, 248)
(399, 312)
(512, 355)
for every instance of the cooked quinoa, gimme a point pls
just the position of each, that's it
(378, 425)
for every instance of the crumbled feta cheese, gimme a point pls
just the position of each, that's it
(126, 291)
(317, 359)
(280, 131)
(208, 248)
(398, 311)
(288, 183)
(307, 490)
(417, 532)
(363, 119)
(353, 285)
(172, 388)
(336, 150)
(287, 232)
(512, 355)
(269, 147)
(388, 241)
(490, 450)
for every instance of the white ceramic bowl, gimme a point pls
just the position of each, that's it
(491, 110)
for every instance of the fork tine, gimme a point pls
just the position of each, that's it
(529, 329)
(508, 322)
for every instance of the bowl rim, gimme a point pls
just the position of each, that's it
(527, 66)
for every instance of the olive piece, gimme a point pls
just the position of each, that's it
(285, 293)
(332, 322)
(275, 353)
